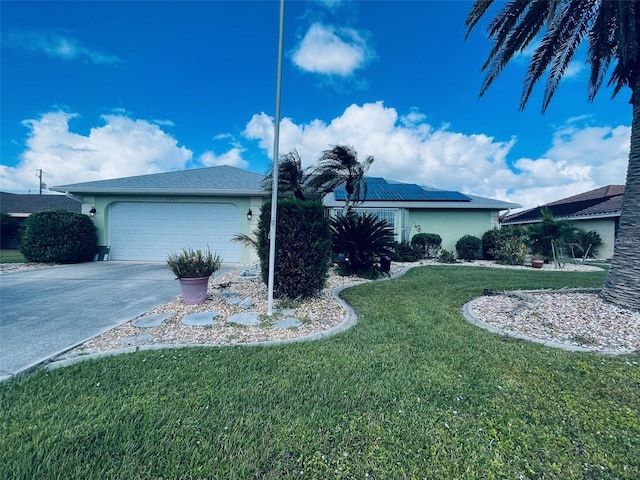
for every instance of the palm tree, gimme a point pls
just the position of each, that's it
(291, 176)
(611, 30)
(338, 166)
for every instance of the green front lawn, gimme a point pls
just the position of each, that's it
(412, 391)
(11, 256)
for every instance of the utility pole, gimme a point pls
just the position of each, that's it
(40, 184)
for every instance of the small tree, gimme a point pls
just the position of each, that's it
(59, 236)
(303, 248)
(548, 230)
(338, 166)
(469, 248)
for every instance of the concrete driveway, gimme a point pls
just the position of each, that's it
(47, 311)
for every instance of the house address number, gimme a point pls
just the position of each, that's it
(170, 199)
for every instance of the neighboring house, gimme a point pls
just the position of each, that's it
(20, 206)
(146, 217)
(597, 210)
(410, 209)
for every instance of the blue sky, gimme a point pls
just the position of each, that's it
(98, 90)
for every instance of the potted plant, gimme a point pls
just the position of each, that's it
(193, 268)
(537, 262)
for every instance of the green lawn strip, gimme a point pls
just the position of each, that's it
(412, 391)
(11, 256)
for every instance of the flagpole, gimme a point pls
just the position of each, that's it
(274, 189)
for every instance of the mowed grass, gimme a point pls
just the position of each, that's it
(11, 256)
(412, 391)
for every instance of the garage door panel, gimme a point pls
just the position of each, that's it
(150, 231)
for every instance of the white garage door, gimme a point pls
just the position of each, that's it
(150, 231)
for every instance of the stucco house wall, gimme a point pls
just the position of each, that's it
(452, 225)
(606, 228)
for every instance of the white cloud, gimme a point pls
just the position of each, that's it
(59, 46)
(406, 148)
(121, 147)
(332, 51)
(574, 69)
(233, 158)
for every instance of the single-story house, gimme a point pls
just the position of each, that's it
(597, 210)
(145, 217)
(410, 209)
(19, 206)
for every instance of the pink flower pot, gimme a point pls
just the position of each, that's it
(194, 290)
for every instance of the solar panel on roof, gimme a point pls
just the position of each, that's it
(379, 189)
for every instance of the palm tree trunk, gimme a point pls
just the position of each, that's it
(622, 286)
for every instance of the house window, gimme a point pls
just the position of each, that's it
(386, 214)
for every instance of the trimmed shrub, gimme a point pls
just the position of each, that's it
(405, 252)
(511, 251)
(59, 236)
(362, 240)
(446, 256)
(469, 248)
(490, 241)
(430, 243)
(303, 248)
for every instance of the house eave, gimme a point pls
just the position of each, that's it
(164, 191)
(570, 218)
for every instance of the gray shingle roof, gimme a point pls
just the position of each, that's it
(32, 203)
(221, 180)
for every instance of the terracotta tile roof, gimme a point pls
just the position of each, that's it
(600, 202)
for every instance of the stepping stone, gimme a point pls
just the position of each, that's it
(230, 294)
(233, 300)
(288, 322)
(285, 311)
(149, 321)
(248, 274)
(247, 319)
(247, 303)
(200, 319)
(143, 338)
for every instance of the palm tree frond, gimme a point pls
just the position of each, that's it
(478, 10)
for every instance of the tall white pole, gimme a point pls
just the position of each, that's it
(276, 142)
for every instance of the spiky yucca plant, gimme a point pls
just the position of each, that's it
(362, 240)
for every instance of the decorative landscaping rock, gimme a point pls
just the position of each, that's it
(200, 319)
(247, 303)
(248, 274)
(149, 321)
(233, 300)
(230, 294)
(289, 322)
(248, 319)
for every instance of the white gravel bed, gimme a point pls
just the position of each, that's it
(21, 267)
(317, 315)
(578, 319)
